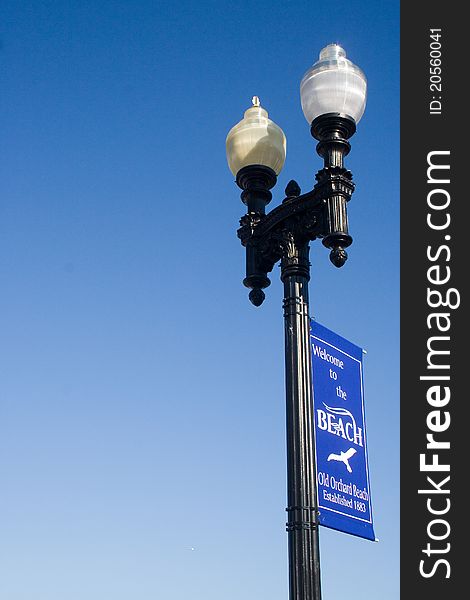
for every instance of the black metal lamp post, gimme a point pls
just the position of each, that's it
(333, 95)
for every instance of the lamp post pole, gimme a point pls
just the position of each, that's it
(333, 94)
(302, 522)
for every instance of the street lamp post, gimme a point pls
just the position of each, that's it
(333, 96)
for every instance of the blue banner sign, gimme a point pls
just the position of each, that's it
(340, 437)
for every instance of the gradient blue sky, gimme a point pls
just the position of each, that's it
(142, 435)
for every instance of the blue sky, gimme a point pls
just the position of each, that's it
(142, 432)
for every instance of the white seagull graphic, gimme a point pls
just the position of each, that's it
(344, 457)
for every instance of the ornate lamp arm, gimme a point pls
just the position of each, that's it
(320, 213)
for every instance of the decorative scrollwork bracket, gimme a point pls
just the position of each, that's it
(300, 218)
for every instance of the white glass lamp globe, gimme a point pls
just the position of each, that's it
(333, 85)
(256, 140)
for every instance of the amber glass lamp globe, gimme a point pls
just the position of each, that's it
(256, 140)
